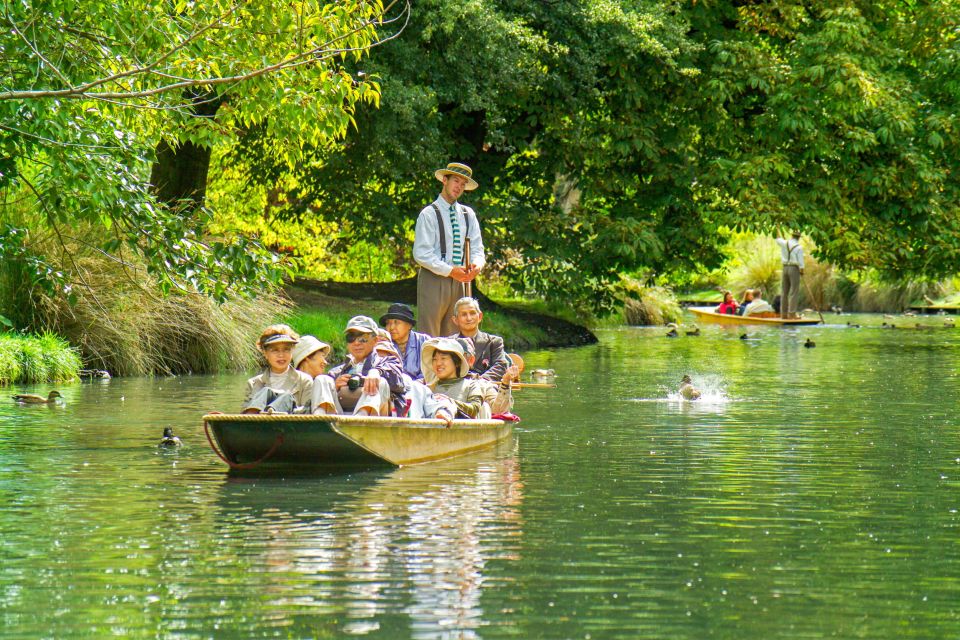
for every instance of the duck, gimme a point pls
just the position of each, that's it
(809, 344)
(744, 336)
(672, 333)
(169, 440)
(543, 375)
(32, 398)
(695, 332)
(687, 390)
(854, 326)
(95, 373)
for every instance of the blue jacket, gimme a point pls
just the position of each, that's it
(411, 360)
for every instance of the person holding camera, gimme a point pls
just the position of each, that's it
(448, 248)
(364, 383)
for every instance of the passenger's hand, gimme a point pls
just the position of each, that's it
(371, 384)
(442, 414)
(512, 373)
(341, 381)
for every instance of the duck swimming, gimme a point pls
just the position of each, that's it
(169, 440)
(809, 344)
(32, 398)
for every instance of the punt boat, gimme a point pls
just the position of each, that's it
(707, 314)
(332, 442)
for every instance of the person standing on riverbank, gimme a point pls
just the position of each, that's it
(791, 254)
(446, 232)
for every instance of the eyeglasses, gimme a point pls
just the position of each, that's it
(356, 337)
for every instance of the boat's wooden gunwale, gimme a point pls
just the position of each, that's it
(709, 315)
(331, 441)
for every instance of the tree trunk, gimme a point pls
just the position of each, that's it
(179, 176)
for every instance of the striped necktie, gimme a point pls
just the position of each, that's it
(455, 226)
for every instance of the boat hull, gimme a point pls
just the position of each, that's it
(248, 441)
(707, 314)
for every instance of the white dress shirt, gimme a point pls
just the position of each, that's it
(790, 252)
(426, 243)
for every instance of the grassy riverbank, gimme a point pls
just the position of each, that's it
(326, 316)
(35, 359)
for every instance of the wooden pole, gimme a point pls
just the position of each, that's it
(467, 286)
(812, 301)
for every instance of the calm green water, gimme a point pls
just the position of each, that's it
(814, 493)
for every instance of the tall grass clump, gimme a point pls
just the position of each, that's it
(648, 305)
(120, 323)
(755, 263)
(32, 359)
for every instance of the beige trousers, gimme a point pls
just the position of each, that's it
(436, 296)
(789, 290)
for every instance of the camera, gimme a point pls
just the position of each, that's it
(354, 382)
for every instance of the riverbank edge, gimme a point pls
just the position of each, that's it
(30, 359)
(529, 330)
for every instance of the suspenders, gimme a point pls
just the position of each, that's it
(443, 235)
(789, 253)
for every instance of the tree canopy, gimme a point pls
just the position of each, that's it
(91, 88)
(609, 136)
(616, 136)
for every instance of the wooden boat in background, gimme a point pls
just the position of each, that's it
(707, 314)
(325, 443)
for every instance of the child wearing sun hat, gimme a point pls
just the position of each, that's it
(279, 388)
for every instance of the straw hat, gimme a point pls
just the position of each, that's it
(457, 169)
(446, 345)
(307, 346)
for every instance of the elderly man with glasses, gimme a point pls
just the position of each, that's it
(364, 382)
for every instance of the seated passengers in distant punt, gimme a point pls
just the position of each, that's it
(729, 306)
(280, 388)
(365, 382)
(491, 360)
(759, 308)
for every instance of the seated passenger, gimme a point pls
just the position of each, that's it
(497, 397)
(279, 388)
(399, 321)
(310, 356)
(445, 368)
(759, 307)
(747, 299)
(491, 361)
(363, 384)
(729, 305)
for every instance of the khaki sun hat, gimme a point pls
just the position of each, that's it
(307, 346)
(446, 345)
(457, 169)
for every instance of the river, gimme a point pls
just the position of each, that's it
(811, 493)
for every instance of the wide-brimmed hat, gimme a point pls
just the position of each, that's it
(457, 169)
(446, 345)
(796, 233)
(398, 311)
(308, 346)
(363, 324)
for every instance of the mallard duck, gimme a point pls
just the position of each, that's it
(809, 344)
(672, 333)
(32, 398)
(169, 440)
(687, 390)
(695, 332)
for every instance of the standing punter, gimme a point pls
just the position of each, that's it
(446, 232)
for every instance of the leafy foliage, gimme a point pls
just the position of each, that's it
(89, 90)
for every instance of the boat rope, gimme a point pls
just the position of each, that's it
(242, 465)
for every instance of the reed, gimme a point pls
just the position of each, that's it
(648, 304)
(120, 323)
(35, 359)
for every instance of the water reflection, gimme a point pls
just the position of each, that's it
(415, 540)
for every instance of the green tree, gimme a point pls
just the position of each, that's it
(98, 95)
